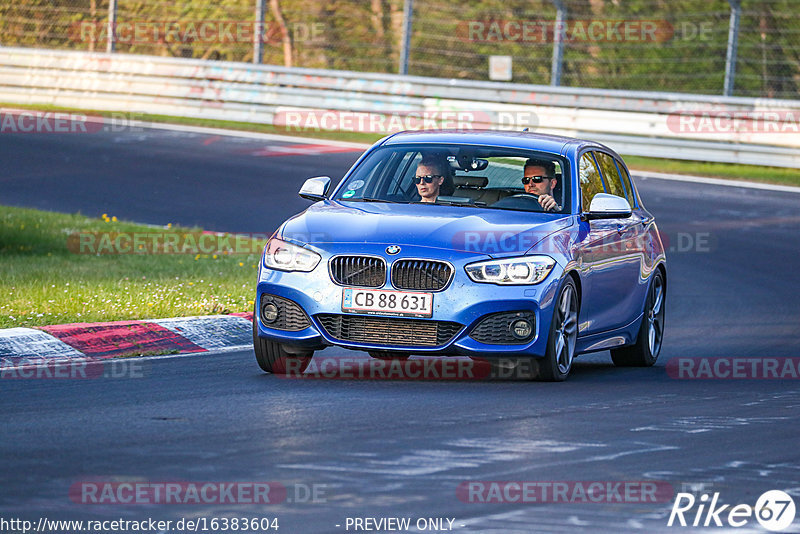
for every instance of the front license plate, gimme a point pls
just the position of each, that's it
(373, 301)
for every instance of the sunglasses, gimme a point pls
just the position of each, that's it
(428, 179)
(535, 179)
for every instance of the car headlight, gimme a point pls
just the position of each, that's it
(287, 257)
(511, 271)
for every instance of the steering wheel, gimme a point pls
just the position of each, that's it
(526, 195)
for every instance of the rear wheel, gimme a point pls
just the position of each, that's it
(273, 358)
(644, 352)
(557, 362)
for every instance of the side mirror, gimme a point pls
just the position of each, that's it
(315, 188)
(605, 206)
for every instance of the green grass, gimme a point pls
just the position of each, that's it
(44, 281)
(753, 173)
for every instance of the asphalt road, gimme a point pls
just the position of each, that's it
(229, 184)
(396, 448)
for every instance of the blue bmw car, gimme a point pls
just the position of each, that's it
(500, 246)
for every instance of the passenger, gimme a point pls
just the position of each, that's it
(431, 174)
(539, 179)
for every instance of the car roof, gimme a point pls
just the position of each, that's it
(555, 144)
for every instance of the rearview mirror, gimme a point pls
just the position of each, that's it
(315, 188)
(605, 206)
(465, 162)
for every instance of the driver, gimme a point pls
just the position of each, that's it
(429, 178)
(539, 179)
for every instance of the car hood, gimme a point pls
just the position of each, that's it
(476, 230)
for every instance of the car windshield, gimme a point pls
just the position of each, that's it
(460, 175)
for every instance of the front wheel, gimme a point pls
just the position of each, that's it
(272, 358)
(557, 361)
(644, 352)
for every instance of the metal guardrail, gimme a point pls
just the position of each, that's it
(634, 123)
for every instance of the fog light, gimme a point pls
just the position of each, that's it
(521, 328)
(269, 312)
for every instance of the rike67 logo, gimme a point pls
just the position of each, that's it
(774, 510)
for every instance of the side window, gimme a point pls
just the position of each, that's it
(610, 174)
(626, 181)
(591, 183)
(402, 174)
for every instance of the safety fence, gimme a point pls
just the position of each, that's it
(724, 47)
(668, 125)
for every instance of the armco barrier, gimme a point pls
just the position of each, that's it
(635, 123)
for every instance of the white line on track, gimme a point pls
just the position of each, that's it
(714, 181)
(247, 135)
(225, 350)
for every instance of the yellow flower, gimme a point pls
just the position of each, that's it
(241, 264)
(114, 218)
(169, 225)
(214, 256)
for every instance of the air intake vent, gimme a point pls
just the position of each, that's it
(424, 275)
(497, 329)
(389, 330)
(290, 315)
(358, 271)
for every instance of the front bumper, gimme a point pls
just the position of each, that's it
(462, 301)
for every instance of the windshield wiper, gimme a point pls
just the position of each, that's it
(464, 204)
(368, 199)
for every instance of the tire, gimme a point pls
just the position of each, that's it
(561, 341)
(644, 352)
(272, 358)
